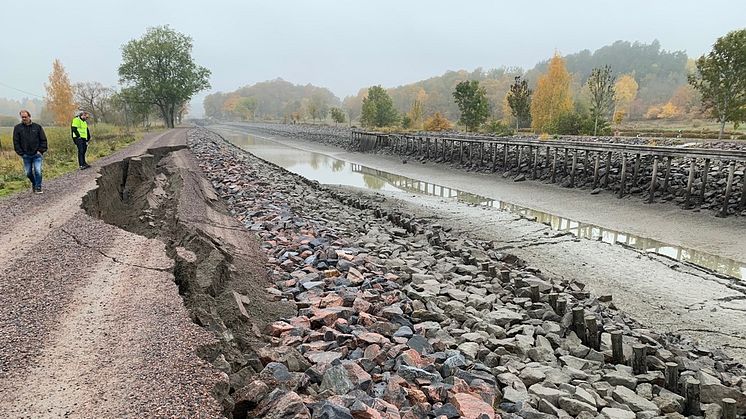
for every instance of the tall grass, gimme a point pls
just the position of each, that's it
(62, 155)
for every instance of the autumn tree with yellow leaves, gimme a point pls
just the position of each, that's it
(625, 92)
(552, 97)
(59, 98)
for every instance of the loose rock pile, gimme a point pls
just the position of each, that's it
(399, 318)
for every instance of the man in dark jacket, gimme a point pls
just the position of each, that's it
(30, 143)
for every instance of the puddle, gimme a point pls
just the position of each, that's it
(329, 170)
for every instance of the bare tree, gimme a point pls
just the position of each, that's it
(94, 97)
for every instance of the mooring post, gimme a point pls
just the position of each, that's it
(728, 189)
(608, 169)
(705, 171)
(554, 164)
(653, 180)
(578, 321)
(617, 352)
(690, 182)
(672, 377)
(693, 407)
(595, 170)
(639, 359)
(572, 169)
(592, 326)
(623, 180)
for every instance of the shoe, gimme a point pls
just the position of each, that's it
(38, 190)
(85, 166)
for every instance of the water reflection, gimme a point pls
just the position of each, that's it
(329, 170)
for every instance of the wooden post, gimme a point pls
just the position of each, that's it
(595, 170)
(505, 157)
(554, 164)
(561, 306)
(653, 180)
(728, 189)
(742, 203)
(494, 156)
(668, 175)
(578, 322)
(536, 162)
(639, 359)
(566, 161)
(592, 326)
(553, 300)
(535, 293)
(617, 353)
(672, 377)
(623, 180)
(693, 407)
(705, 171)
(690, 182)
(636, 172)
(461, 152)
(547, 158)
(520, 157)
(608, 169)
(585, 163)
(572, 169)
(729, 408)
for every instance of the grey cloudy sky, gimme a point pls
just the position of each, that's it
(342, 45)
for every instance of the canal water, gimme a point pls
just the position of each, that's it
(329, 170)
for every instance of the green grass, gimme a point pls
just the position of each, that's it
(61, 157)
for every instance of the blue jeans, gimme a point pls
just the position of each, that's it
(32, 167)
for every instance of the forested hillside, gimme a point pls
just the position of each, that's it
(655, 81)
(275, 99)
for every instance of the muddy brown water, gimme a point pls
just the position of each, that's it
(330, 170)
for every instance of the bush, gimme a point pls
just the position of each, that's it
(437, 122)
(498, 128)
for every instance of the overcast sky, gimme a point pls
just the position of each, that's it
(342, 45)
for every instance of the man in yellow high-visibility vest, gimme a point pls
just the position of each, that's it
(81, 135)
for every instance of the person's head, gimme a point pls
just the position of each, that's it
(83, 115)
(25, 116)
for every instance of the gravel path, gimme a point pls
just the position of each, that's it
(91, 323)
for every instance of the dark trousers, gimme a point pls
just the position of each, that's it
(82, 145)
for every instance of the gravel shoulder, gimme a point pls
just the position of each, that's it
(91, 322)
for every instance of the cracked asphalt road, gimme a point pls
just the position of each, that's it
(91, 323)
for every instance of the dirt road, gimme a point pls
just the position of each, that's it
(91, 322)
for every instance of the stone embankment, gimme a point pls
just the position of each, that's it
(396, 317)
(637, 179)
